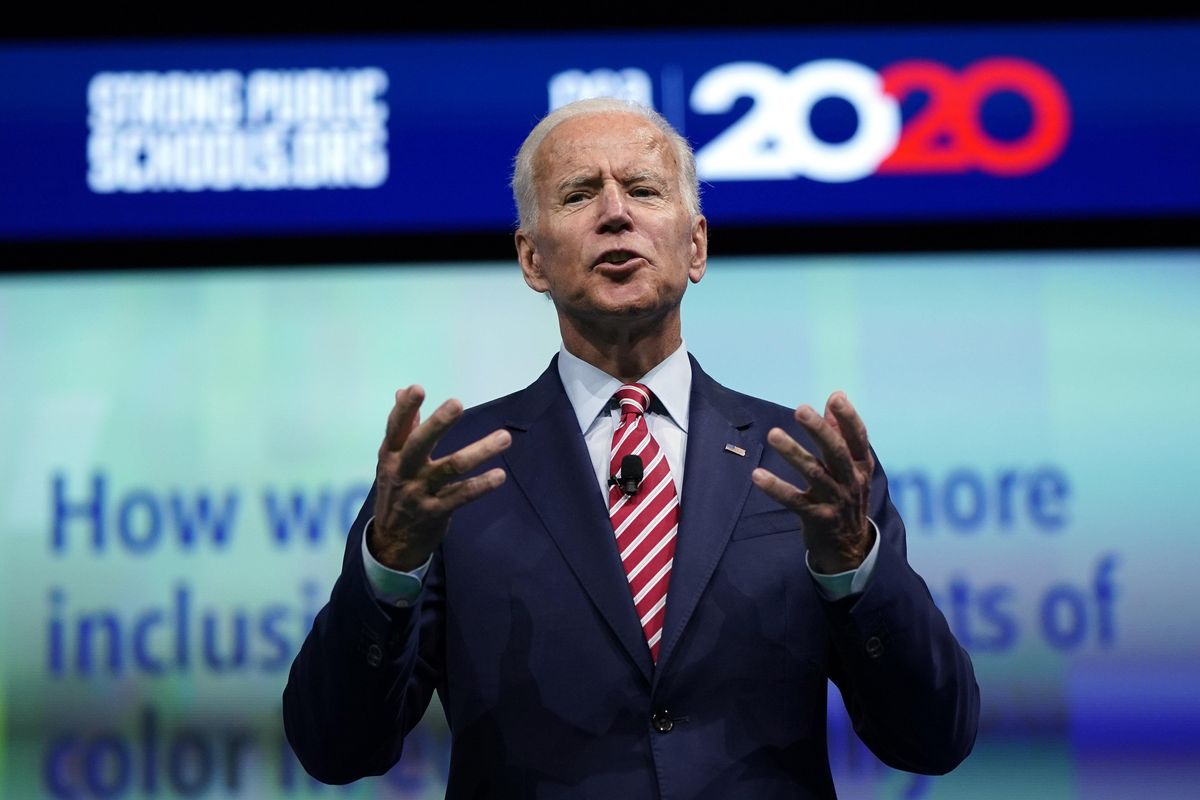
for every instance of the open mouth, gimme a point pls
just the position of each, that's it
(616, 258)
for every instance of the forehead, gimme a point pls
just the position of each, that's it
(610, 141)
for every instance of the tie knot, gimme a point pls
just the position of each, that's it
(634, 398)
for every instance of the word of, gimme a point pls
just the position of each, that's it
(1069, 617)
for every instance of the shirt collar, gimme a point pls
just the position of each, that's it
(589, 389)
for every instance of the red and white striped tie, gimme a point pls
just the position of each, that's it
(645, 522)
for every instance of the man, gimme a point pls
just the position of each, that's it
(593, 632)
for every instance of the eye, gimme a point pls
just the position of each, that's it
(575, 197)
(643, 191)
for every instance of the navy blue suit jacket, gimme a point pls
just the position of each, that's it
(526, 629)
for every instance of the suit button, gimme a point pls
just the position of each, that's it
(874, 647)
(374, 655)
(662, 722)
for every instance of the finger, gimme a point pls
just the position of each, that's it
(403, 417)
(463, 492)
(852, 428)
(833, 446)
(468, 458)
(829, 416)
(779, 490)
(416, 451)
(805, 462)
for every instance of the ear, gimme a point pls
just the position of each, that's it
(699, 261)
(530, 261)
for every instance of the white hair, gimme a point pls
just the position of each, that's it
(523, 189)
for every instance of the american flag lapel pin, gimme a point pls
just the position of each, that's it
(733, 448)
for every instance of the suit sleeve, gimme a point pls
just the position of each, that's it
(364, 674)
(907, 683)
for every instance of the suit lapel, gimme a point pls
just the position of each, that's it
(716, 484)
(549, 462)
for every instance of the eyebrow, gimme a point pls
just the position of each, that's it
(587, 181)
(578, 182)
(647, 177)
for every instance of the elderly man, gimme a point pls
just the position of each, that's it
(626, 580)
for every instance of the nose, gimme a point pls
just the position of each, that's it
(614, 213)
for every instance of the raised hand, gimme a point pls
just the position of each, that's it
(834, 506)
(416, 494)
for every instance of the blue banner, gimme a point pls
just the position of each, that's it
(408, 135)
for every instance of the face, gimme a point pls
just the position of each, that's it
(613, 243)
